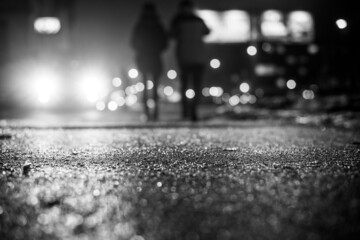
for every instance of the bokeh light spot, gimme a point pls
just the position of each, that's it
(244, 87)
(133, 73)
(171, 74)
(190, 93)
(291, 84)
(251, 50)
(112, 106)
(215, 63)
(341, 23)
(100, 106)
(116, 82)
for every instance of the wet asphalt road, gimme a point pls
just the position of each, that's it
(252, 182)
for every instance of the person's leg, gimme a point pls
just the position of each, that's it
(197, 82)
(156, 99)
(184, 77)
(145, 97)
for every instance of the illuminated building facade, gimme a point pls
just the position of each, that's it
(290, 41)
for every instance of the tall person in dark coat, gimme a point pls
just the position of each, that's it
(188, 30)
(149, 40)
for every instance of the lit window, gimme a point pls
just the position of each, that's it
(300, 26)
(227, 26)
(272, 24)
(47, 25)
(236, 26)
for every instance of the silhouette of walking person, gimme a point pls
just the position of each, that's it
(149, 40)
(188, 31)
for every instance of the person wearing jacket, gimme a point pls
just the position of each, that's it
(188, 31)
(149, 40)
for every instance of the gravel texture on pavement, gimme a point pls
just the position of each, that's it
(261, 182)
